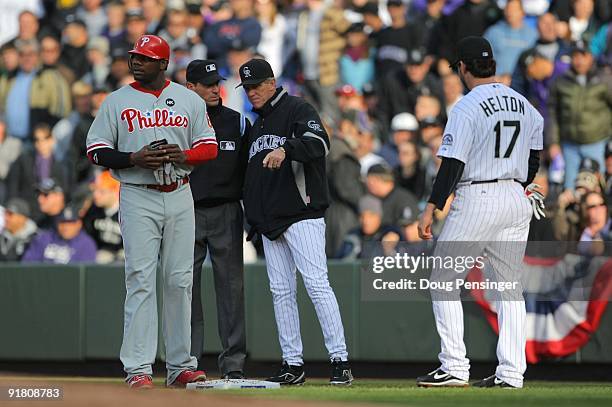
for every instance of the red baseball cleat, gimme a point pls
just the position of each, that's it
(144, 382)
(189, 376)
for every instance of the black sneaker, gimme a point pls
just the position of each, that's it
(341, 374)
(439, 378)
(236, 374)
(288, 375)
(493, 381)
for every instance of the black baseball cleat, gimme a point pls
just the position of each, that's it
(493, 381)
(289, 375)
(341, 374)
(235, 374)
(439, 378)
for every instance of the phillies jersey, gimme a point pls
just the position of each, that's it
(491, 130)
(132, 117)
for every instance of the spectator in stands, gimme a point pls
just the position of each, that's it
(345, 190)
(10, 149)
(510, 37)
(597, 224)
(50, 53)
(357, 62)
(114, 31)
(397, 203)
(242, 26)
(28, 27)
(372, 20)
(582, 132)
(472, 18)
(10, 58)
(453, 91)
(320, 43)
(10, 17)
(427, 20)
(51, 202)
(410, 174)
(274, 26)
(427, 106)
(98, 50)
(601, 46)
(102, 219)
(539, 66)
(567, 218)
(65, 244)
(365, 241)
(175, 31)
(347, 99)
(431, 127)
(81, 169)
(235, 98)
(404, 127)
(135, 27)
(18, 231)
(34, 166)
(608, 174)
(119, 69)
(154, 14)
(93, 15)
(74, 50)
(395, 43)
(30, 95)
(400, 89)
(367, 145)
(64, 129)
(195, 23)
(582, 24)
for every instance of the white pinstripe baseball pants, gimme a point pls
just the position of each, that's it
(302, 246)
(494, 217)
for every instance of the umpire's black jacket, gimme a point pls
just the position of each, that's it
(275, 199)
(220, 181)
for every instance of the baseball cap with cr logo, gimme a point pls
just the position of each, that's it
(255, 72)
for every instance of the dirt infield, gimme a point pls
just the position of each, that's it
(77, 393)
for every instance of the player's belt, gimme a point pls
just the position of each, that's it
(492, 181)
(168, 188)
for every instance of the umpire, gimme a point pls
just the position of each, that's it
(217, 188)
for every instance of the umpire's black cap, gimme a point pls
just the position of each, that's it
(204, 71)
(255, 72)
(473, 47)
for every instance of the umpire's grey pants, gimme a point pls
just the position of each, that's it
(220, 230)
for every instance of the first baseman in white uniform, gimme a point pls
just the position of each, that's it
(490, 154)
(151, 133)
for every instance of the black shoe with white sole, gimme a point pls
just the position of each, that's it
(493, 381)
(341, 374)
(439, 378)
(289, 375)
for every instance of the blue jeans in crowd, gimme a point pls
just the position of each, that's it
(574, 153)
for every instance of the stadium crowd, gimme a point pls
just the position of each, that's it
(378, 73)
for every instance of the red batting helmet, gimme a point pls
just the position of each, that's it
(152, 46)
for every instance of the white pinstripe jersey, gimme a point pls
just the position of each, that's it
(131, 118)
(492, 130)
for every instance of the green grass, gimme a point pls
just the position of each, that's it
(549, 394)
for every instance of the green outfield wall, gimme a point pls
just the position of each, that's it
(75, 313)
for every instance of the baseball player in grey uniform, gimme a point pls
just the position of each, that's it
(150, 133)
(490, 155)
